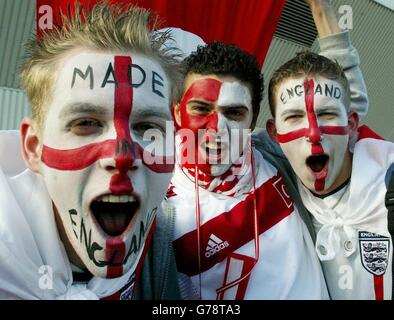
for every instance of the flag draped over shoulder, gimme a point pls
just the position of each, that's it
(248, 24)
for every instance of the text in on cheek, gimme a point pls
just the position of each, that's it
(85, 237)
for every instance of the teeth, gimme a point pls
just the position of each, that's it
(214, 146)
(117, 199)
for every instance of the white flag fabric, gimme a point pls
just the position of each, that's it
(11, 160)
(187, 42)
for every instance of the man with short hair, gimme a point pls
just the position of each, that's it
(344, 185)
(78, 223)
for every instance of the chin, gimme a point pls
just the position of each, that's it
(98, 272)
(218, 170)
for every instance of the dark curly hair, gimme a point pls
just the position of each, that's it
(228, 60)
(307, 64)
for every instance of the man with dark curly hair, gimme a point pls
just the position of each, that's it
(238, 233)
(223, 60)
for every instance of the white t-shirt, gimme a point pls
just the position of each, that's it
(351, 225)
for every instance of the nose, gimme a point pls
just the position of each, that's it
(212, 122)
(221, 126)
(111, 165)
(222, 123)
(123, 159)
(217, 128)
(108, 164)
(314, 134)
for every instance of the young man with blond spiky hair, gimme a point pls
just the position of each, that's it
(79, 222)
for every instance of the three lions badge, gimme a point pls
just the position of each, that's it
(374, 252)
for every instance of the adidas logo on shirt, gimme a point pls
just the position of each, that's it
(214, 246)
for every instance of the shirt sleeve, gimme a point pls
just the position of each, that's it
(338, 47)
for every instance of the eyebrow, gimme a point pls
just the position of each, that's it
(203, 102)
(89, 108)
(329, 108)
(292, 111)
(234, 105)
(153, 112)
(209, 104)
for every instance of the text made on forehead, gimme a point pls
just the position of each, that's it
(134, 81)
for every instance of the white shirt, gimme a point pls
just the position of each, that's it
(287, 267)
(352, 236)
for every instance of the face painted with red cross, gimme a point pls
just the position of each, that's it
(215, 115)
(312, 128)
(93, 159)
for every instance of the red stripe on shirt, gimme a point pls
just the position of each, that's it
(234, 226)
(366, 132)
(378, 286)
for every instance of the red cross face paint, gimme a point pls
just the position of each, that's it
(215, 114)
(94, 155)
(312, 129)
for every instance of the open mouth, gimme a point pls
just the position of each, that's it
(114, 213)
(213, 150)
(318, 164)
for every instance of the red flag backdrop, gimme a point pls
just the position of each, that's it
(250, 24)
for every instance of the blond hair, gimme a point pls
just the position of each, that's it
(104, 27)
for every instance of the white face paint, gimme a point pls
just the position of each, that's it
(230, 129)
(223, 106)
(317, 127)
(105, 194)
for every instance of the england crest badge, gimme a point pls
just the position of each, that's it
(374, 252)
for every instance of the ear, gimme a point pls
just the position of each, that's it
(177, 114)
(353, 121)
(271, 129)
(30, 144)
